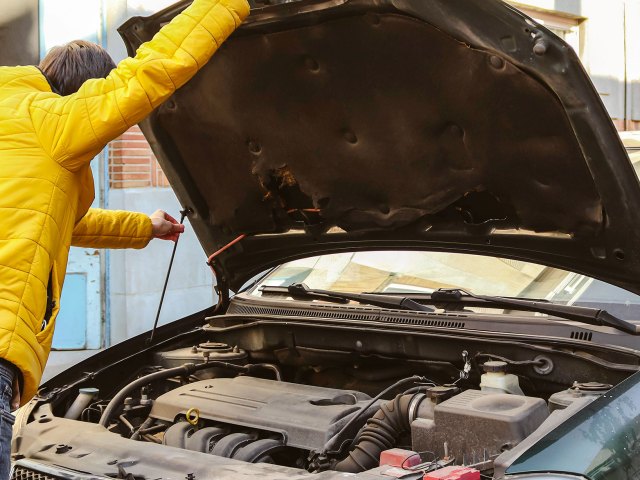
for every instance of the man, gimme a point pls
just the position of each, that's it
(53, 121)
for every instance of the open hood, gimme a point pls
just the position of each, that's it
(462, 126)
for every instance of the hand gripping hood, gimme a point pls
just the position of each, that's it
(325, 126)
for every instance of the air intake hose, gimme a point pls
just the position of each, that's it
(381, 432)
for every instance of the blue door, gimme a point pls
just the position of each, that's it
(71, 324)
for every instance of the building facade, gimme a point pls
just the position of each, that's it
(606, 36)
(110, 296)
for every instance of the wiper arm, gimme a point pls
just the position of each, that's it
(590, 316)
(300, 290)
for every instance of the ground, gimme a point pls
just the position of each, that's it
(60, 360)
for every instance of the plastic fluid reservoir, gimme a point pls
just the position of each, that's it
(563, 399)
(82, 401)
(496, 379)
(204, 352)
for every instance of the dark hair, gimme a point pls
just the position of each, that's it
(68, 66)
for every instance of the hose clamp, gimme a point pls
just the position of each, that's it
(414, 404)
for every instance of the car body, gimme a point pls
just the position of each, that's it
(393, 196)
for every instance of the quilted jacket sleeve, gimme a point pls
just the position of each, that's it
(74, 128)
(112, 229)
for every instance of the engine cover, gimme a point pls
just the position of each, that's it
(306, 416)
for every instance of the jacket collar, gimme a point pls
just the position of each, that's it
(24, 78)
(51, 87)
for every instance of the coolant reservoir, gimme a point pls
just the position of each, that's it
(204, 352)
(563, 399)
(496, 379)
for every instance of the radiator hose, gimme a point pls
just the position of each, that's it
(381, 432)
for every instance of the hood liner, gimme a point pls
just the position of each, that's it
(406, 124)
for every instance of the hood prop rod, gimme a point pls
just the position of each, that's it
(183, 214)
(221, 287)
(220, 250)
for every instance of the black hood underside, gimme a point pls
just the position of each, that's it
(448, 125)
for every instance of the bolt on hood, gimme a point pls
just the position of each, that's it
(463, 126)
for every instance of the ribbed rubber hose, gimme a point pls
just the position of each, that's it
(380, 433)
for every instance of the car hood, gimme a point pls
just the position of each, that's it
(326, 126)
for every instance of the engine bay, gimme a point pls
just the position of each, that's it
(258, 420)
(236, 390)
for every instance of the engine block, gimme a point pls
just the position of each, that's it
(303, 416)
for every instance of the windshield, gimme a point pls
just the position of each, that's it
(601, 442)
(423, 272)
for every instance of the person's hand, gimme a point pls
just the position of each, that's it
(165, 227)
(15, 398)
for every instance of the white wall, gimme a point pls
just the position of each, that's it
(572, 7)
(137, 276)
(119, 11)
(604, 51)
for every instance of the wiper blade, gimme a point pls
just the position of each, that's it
(590, 316)
(300, 290)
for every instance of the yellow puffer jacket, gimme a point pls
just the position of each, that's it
(46, 186)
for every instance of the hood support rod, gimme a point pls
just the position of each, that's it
(221, 287)
(183, 214)
(222, 249)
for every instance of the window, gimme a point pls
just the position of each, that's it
(414, 272)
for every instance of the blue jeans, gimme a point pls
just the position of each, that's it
(6, 419)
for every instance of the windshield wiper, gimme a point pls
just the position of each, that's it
(590, 316)
(447, 297)
(300, 290)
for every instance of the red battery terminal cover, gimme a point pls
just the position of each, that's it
(453, 473)
(398, 457)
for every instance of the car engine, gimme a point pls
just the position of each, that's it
(262, 420)
(314, 408)
(252, 418)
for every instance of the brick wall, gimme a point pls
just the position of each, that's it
(631, 125)
(132, 163)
